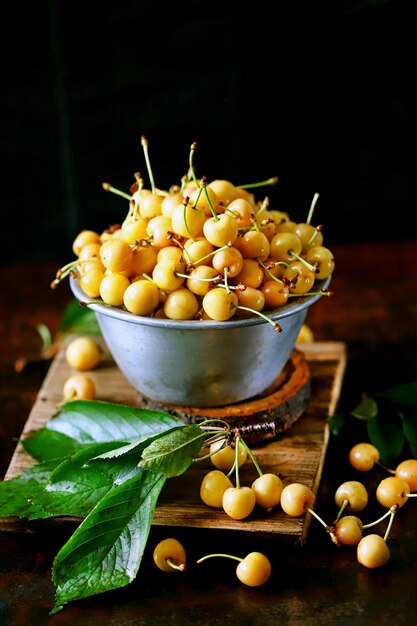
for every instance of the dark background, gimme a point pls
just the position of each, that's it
(320, 94)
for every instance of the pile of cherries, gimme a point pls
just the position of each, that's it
(202, 250)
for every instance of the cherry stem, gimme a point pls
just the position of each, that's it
(342, 508)
(193, 148)
(229, 556)
(303, 261)
(144, 143)
(270, 274)
(109, 187)
(312, 238)
(410, 495)
(180, 567)
(378, 520)
(322, 292)
(312, 207)
(314, 514)
(393, 511)
(252, 456)
(384, 467)
(263, 207)
(185, 203)
(237, 442)
(274, 325)
(264, 183)
(203, 184)
(204, 425)
(199, 278)
(226, 284)
(212, 253)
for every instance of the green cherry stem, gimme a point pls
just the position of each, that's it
(212, 253)
(312, 207)
(109, 187)
(267, 270)
(252, 457)
(322, 292)
(209, 556)
(342, 508)
(303, 261)
(144, 143)
(263, 207)
(378, 520)
(264, 183)
(392, 511)
(180, 568)
(274, 325)
(237, 443)
(318, 518)
(185, 203)
(384, 467)
(193, 148)
(213, 279)
(313, 236)
(203, 184)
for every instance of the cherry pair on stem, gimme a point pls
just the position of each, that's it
(253, 570)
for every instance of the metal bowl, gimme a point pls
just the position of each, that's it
(200, 363)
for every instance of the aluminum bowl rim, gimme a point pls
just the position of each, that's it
(286, 310)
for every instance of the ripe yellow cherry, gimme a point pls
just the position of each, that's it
(254, 570)
(134, 230)
(82, 353)
(83, 238)
(225, 190)
(219, 304)
(187, 221)
(213, 486)
(150, 205)
(238, 502)
(407, 470)
(79, 387)
(296, 498)
(220, 231)
(169, 555)
(113, 287)
(201, 202)
(141, 297)
(355, 493)
(392, 491)
(373, 552)
(116, 255)
(223, 456)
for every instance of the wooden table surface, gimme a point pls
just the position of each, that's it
(373, 310)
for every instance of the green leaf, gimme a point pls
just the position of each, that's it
(87, 421)
(48, 444)
(336, 423)
(76, 485)
(173, 452)
(367, 409)
(70, 487)
(402, 395)
(409, 423)
(387, 436)
(78, 319)
(23, 496)
(106, 549)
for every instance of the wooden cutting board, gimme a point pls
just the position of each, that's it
(296, 452)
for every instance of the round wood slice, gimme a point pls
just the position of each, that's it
(265, 416)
